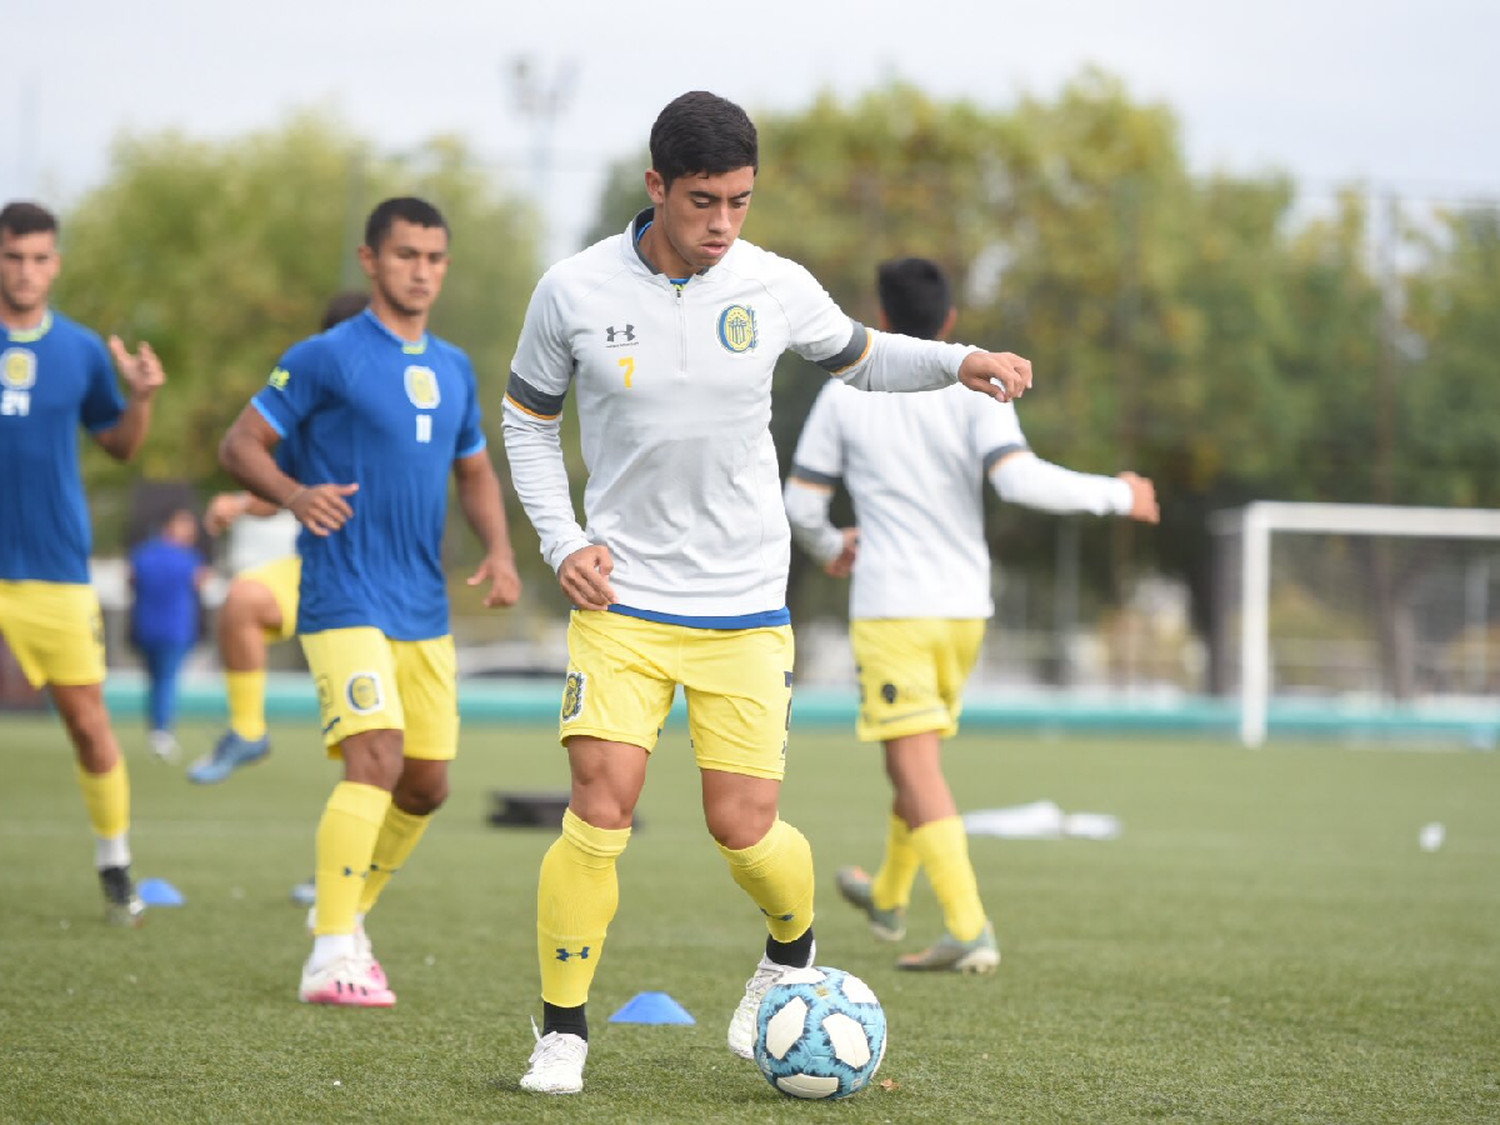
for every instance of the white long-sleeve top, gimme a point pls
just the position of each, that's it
(673, 392)
(915, 466)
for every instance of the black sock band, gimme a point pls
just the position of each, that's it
(565, 1021)
(796, 953)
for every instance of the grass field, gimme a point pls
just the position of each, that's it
(1265, 943)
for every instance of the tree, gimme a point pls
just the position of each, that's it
(223, 254)
(1450, 391)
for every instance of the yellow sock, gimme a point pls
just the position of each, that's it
(398, 837)
(346, 839)
(944, 849)
(892, 884)
(107, 797)
(247, 703)
(778, 874)
(576, 900)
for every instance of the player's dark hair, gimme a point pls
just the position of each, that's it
(408, 207)
(341, 306)
(915, 296)
(21, 217)
(701, 133)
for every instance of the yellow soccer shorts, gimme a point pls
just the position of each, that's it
(623, 673)
(367, 681)
(55, 630)
(283, 578)
(912, 673)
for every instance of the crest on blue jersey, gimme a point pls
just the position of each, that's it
(280, 377)
(363, 692)
(573, 690)
(737, 330)
(18, 369)
(422, 387)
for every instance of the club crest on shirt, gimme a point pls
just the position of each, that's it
(422, 387)
(737, 330)
(18, 369)
(363, 692)
(573, 690)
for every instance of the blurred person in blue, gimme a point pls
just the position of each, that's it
(167, 574)
(55, 378)
(384, 414)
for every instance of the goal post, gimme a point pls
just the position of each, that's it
(1408, 557)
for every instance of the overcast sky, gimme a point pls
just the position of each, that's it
(1396, 95)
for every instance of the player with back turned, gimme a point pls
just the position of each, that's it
(55, 376)
(383, 414)
(670, 331)
(915, 466)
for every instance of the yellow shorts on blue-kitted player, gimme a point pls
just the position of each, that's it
(283, 578)
(367, 681)
(55, 631)
(623, 673)
(912, 673)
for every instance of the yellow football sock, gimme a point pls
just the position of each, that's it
(944, 850)
(778, 874)
(107, 797)
(892, 884)
(576, 900)
(247, 703)
(346, 839)
(398, 837)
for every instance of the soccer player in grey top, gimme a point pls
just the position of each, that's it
(670, 331)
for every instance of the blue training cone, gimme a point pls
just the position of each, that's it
(159, 892)
(652, 1007)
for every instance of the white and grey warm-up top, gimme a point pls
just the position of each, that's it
(673, 387)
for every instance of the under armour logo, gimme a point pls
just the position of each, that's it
(581, 954)
(778, 917)
(626, 334)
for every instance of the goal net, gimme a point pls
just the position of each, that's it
(1355, 616)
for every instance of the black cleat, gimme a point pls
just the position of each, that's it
(123, 906)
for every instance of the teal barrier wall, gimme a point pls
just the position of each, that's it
(290, 696)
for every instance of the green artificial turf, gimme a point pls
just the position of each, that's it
(1266, 942)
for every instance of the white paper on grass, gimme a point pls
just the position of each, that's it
(1041, 820)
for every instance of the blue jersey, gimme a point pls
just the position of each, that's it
(165, 608)
(53, 379)
(366, 407)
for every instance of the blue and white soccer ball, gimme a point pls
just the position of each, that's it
(820, 1033)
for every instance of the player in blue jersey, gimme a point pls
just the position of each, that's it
(55, 376)
(260, 608)
(382, 413)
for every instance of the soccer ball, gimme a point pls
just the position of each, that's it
(820, 1033)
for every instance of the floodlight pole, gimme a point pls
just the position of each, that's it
(541, 102)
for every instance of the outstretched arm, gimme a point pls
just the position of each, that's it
(480, 497)
(868, 360)
(1021, 477)
(888, 361)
